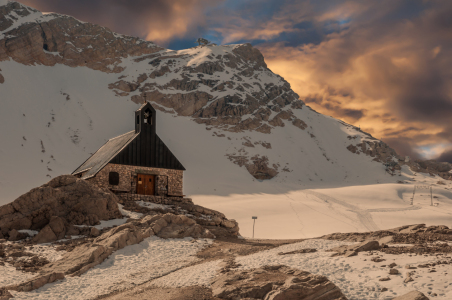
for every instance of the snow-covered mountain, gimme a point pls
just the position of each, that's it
(239, 129)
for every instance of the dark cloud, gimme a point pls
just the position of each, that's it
(333, 105)
(156, 20)
(446, 156)
(399, 132)
(403, 146)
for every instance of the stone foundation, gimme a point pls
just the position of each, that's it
(153, 199)
(168, 182)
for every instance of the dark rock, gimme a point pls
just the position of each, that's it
(58, 227)
(45, 235)
(414, 295)
(5, 294)
(94, 232)
(65, 200)
(273, 283)
(393, 272)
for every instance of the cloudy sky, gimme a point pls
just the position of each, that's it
(383, 65)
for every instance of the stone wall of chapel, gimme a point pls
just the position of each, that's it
(168, 181)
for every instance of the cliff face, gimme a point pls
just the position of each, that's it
(228, 87)
(30, 37)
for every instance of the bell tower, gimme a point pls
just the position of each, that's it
(145, 119)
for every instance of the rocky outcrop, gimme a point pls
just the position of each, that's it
(58, 39)
(274, 283)
(176, 226)
(432, 167)
(381, 152)
(414, 295)
(55, 206)
(84, 257)
(215, 221)
(352, 250)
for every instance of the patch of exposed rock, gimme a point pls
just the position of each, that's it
(424, 240)
(274, 283)
(55, 207)
(257, 166)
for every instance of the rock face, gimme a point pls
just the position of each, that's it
(55, 206)
(275, 283)
(381, 152)
(57, 39)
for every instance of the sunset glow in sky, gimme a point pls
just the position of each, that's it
(383, 65)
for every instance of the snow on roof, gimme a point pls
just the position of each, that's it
(106, 153)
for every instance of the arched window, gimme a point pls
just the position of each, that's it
(113, 178)
(148, 116)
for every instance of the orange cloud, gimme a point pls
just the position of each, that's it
(393, 79)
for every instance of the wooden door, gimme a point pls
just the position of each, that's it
(145, 184)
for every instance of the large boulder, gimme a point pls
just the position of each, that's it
(275, 283)
(414, 295)
(63, 201)
(45, 235)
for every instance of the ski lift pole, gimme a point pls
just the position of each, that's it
(254, 222)
(431, 196)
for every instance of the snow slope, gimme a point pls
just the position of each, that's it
(72, 117)
(65, 109)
